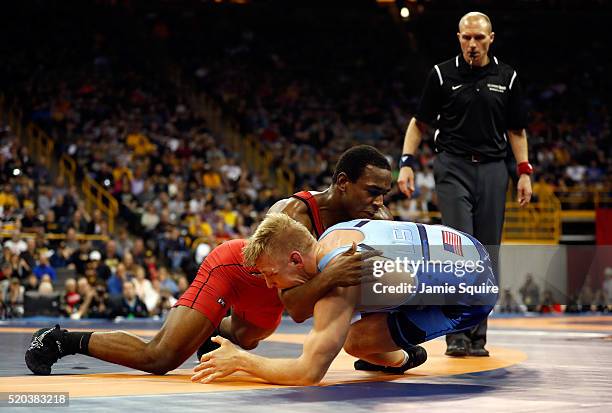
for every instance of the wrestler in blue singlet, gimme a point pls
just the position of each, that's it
(437, 257)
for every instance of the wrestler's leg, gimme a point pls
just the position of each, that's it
(184, 330)
(369, 339)
(243, 333)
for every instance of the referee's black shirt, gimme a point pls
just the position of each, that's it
(472, 108)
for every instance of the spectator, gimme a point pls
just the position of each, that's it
(45, 287)
(50, 225)
(97, 224)
(150, 265)
(30, 222)
(79, 222)
(166, 282)
(138, 253)
(61, 257)
(144, 289)
(61, 210)
(530, 293)
(123, 242)
(44, 268)
(507, 303)
(31, 283)
(176, 249)
(96, 268)
(182, 284)
(29, 255)
(21, 269)
(130, 265)
(99, 307)
(45, 200)
(86, 294)
(111, 257)
(166, 302)
(71, 298)
(72, 243)
(13, 299)
(79, 259)
(7, 271)
(131, 306)
(16, 245)
(149, 219)
(115, 282)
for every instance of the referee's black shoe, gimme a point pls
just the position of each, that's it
(458, 348)
(417, 355)
(45, 349)
(478, 351)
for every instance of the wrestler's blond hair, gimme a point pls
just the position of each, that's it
(277, 234)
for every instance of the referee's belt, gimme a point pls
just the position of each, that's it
(475, 157)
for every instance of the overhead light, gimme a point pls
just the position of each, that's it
(404, 12)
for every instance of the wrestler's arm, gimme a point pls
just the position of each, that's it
(343, 272)
(332, 318)
(346, 270)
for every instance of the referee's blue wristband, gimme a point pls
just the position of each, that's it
(407, 160)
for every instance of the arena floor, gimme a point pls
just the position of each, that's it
(538, 364)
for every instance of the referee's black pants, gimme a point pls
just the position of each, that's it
(472, 199)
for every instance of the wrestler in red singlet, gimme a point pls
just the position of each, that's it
(223, 282)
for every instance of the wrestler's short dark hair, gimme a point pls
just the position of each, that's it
(354, 160)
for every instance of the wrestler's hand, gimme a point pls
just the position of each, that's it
(218, 363)
(523, 189)
(351, 268)
(405, 181)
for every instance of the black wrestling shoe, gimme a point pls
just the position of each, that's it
(45, 349)
(417, 355)
(459, 348)
(208, 346)
(476, 351)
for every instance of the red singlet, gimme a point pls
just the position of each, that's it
(223, 282)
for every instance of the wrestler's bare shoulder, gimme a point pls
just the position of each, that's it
(293, 207)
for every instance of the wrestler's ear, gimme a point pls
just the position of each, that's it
(342, 181)
(295, 258)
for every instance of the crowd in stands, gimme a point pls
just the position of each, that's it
(50, 231)
(117, 99)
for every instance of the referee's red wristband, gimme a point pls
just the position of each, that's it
(524, 168)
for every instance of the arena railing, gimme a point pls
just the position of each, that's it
(41, 147)
(537, 223)
(52, 236)
(96, 194)
(67, 168)
(40, 144)
(584, 198)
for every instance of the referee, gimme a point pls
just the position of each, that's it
(475, 103)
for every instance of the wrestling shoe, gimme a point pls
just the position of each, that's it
(45, 349)
(417, 355)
